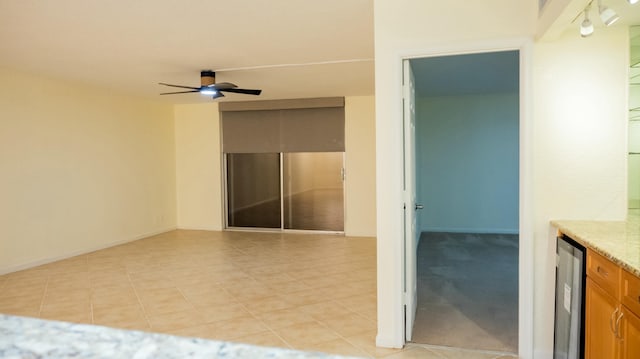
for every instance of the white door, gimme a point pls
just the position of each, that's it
(410, 205)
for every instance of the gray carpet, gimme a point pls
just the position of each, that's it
(468, 291)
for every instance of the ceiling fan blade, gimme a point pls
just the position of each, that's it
(243, 91)
(217, 95)
(182, 87)
(223, 85)
(173, 93)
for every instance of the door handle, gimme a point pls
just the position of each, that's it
(602, 271)
(419, 206)
(618, 335)
(611, 322)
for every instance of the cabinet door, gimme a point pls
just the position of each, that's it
(600, 340)
(630, 332)
(630, 293)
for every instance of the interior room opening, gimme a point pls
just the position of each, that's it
(467, 180)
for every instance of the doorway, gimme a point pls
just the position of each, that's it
(467, 181)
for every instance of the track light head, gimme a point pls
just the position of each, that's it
(586, 27)
(607, 15)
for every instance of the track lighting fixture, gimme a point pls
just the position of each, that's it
(607, 15)
(586, 28)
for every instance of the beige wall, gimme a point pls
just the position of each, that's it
(85, 169)
(198, 164)
(580, 131)
(81, 169)
(360, 165)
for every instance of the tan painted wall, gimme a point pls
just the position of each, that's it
(198, 166)
(580, 131)
(81, 169)
(360, 164)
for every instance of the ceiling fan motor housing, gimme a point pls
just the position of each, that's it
(207, 78)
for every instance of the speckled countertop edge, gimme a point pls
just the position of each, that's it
(22, 337)
(618, 241)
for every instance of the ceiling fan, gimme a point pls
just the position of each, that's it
(208, 86)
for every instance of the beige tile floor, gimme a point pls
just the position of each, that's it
(308, 292)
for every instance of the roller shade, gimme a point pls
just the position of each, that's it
(265, 129)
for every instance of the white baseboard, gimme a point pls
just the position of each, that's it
(472, 230)
(384, 342)
(41, 261)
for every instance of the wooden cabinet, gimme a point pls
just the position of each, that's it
(612, 311)
(630, 325)
(630, 294)
(604, 273)
(600, 339)
(630, 334)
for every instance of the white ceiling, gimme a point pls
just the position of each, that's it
(287, 48)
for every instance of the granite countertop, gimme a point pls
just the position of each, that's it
(35, 338)
(618, 241)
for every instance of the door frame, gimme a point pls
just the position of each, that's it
(391, 265)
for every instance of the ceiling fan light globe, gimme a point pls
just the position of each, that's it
(208, 91)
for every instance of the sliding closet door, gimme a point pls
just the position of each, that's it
(313, 191)
(253, 190)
